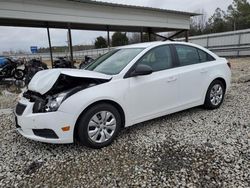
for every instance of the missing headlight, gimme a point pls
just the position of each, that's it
(38, 106)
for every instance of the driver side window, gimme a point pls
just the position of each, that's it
(158, 59)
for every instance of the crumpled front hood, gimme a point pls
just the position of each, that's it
(44, 80)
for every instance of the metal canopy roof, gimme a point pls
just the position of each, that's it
(91, 15)
(136, 7)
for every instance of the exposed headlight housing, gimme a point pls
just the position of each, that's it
(50, 103)
(54, 102)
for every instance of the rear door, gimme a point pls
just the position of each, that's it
(193, 73)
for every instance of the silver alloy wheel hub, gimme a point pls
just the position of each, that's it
(216, 94)
(101, 126)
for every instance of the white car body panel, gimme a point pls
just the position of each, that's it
(141, 98)
(43, 81)
(163, 96)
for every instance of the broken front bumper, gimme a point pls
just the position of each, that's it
(44, 127)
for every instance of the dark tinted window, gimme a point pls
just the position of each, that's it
(158, 58)
(187, 55)
(204, 57)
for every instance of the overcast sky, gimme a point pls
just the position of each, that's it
(12, 38)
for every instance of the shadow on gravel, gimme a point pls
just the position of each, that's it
(169, 117)
(198, 162)
(33, 167)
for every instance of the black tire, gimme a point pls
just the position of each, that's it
(82, 125)
(19, 74)
(208, 103)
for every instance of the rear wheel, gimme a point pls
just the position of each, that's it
(215, 95)
(99, 126)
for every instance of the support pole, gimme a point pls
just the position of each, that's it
(149, 36)
(50, 47)
(186, 35)
(108, 37)
(70, 44)
(141, 34)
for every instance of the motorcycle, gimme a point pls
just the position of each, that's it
(32, 67)
(86, 62)
(62, 62)
(10, 70)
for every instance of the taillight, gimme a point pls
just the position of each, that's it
(229, 64)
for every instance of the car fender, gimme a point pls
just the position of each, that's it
(215, 74)
(113, 91)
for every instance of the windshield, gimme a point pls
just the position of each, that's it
(114, 61)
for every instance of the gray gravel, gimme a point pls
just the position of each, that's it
(193, 148)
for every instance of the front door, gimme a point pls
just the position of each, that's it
(152, 95)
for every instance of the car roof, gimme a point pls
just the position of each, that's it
(147, 45)
(153, 44)
(141, 45)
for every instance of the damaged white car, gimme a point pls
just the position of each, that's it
(126, 86)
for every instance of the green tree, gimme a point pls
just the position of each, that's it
(119, 39)
(217, 22)
(100, 42)
(199, 23)
(238, 15)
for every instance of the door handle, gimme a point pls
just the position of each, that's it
(204, 70)
(172, 79)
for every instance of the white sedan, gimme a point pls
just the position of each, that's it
(128, 85)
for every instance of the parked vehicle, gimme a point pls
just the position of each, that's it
(9, 70)
(32, 67)
(86, 62)
(3, 61)
(126, 86)
(62, 62)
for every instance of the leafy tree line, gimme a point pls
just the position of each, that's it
(120, 39)
(236, 17)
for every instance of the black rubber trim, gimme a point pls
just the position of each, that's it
(45, 133)
(16, 122)
(20, 109)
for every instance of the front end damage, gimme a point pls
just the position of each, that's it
(37, 113)
(64, 87)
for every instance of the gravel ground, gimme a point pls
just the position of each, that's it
(193, 148)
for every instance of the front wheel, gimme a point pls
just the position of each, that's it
(215, 95)
(99, 126)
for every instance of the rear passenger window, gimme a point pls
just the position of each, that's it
(204, 57)
(158, 59)
(187, 55)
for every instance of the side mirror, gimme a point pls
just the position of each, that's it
(141, 70)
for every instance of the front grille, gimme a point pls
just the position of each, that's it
(20, 109)
(45, 133)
